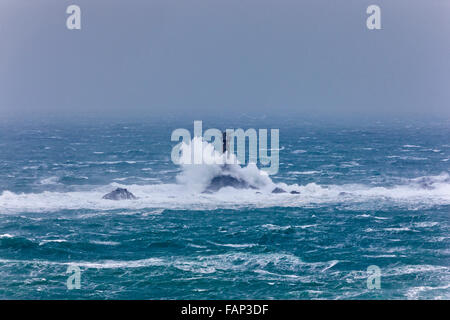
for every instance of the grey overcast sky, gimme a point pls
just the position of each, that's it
(160, 57)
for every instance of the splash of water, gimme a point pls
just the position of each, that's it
(204, 167)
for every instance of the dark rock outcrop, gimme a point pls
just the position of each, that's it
(222, 181)
(119, 194)
(278, 190)
(294, 192)
(428, 183)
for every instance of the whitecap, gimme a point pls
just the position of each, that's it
(306, 226)
(427, 224)
(105, 243)
(49, 181)
(410, 146)
(304, 172)
(399, 229)
(349, 164)
(415, 292)
(234, 245)
(52, 240)
(275, 227)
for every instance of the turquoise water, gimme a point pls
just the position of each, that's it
(376, 194)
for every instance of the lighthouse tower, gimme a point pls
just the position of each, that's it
(225, 142)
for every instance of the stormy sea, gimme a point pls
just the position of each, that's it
(357, 195)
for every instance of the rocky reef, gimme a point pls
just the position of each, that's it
(120, 194)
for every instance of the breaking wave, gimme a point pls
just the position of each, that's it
(254, 190)
(201, 264)
(215, 165)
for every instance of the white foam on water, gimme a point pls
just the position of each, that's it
(414, 269)
(235, 261)
(380, 256)
(213, 163)
(411, 146)
(304, 172)
(349, 164)
(429, 224)
(187, 192)
(267, 276)
(400, 229)
(50, 181)
(400, 271)
(275, 227)
(234, 245)
(185, 196)
(413, 158)
(52, 240)
(306, 226)
(105, 243)
(416, 292)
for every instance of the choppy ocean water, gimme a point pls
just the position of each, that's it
(369, 195)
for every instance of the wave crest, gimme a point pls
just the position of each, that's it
(217, 169)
